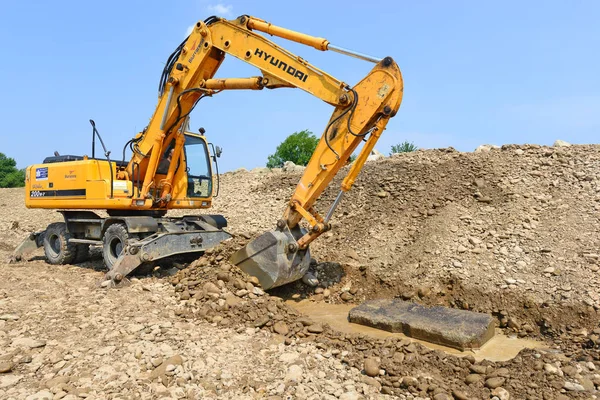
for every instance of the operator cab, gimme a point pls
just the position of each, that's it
(199, 171)
(196, 158)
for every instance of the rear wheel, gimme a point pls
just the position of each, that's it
(57, 248)
(116, 238)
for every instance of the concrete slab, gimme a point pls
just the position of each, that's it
(450, 327)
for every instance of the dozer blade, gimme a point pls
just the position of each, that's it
(162, 245)
(274, 258)
(27, 246)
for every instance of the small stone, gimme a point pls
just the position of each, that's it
(185, 295)
(162, 368)
(106, 283)
(461, 249)
(470, 358)
(382, 194)
(170, 368)
(239, 284)
(473, 378)
(371, 367)
(411, 348)
(6, 366)
(501, 393)
(551, 369)
(409, 381)
(294, 373)
(442, 396)
(475, 241)
(493, 383)
(459, 395)
(261, 321)
(346, 296)
(26, 359)
(398, 357)
(590, 365)
(478, 369)
(350, 396)
(223, 276)
(573, 387)
(310, 280)
(210, 287)
(9, 317)
(281, 328)
(156, 361)
(253, 280)
(29, 342)
(371, 382)
(315, 328)
(513, 323)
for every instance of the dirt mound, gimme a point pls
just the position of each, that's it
(495, 231)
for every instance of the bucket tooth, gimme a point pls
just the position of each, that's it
(272, 260)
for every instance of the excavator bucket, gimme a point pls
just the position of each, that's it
(274, 258)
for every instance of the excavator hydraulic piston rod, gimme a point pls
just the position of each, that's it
(354, 54)
(254, 83)
(334, 206)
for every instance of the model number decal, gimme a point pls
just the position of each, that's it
(36, 193)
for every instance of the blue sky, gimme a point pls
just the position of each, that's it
(474, 72)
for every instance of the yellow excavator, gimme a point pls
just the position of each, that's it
(172, 168)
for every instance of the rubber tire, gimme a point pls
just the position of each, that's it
(57, 248)
(83, 253)
(115, 235)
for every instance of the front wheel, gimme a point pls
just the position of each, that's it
(115, 240)
(57, 248)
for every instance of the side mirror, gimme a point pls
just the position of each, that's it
(202, 131)
(218, 151)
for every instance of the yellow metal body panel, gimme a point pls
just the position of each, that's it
(86, 184)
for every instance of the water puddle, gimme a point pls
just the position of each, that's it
(498, 348)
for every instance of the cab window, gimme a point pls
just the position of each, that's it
(198, 170)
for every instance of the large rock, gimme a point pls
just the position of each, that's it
(375, 155)
(484, 148)
(561, 143)
(450, 327)
(289, 166)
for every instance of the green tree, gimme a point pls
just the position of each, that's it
(10, 176)
(297, 148)
(404, 147)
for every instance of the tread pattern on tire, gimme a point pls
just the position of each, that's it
(115, 230)
(67, 251)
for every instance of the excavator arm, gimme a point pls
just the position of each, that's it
(361, 113)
